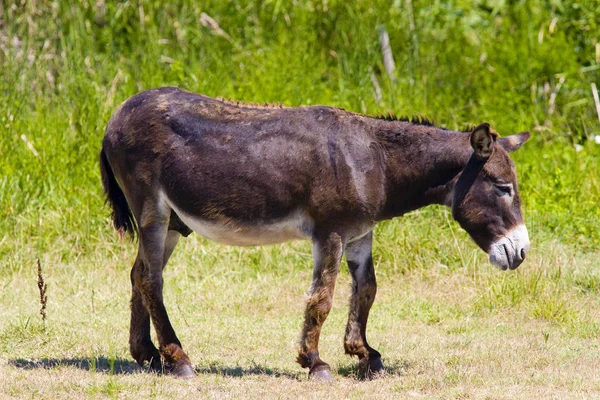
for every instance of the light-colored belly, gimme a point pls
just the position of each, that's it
(294, 226)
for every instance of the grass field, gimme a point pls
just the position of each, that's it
(448, 324)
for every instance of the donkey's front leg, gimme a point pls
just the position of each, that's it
(364, 288)
(153, 249)
(327, 253)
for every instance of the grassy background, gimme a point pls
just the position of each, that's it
(448, 324)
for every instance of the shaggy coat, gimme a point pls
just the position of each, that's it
(174, 162)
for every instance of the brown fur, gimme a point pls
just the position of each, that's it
(239, 167)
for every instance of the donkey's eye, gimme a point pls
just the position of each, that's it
(503, 188)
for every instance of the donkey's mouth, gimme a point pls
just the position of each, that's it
(509, 251)
(500, 255)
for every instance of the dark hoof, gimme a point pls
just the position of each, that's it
(183, 371)
(150, 355)
(320, 373)
(371, 368)
(156, 364)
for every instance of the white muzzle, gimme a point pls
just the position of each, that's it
(509, 251)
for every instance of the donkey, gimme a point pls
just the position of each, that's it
(173, 162)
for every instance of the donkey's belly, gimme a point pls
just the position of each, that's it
(294, 226)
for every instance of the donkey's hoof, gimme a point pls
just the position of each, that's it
(371, 369)
(149, 355)
(156, 364)
(320, 373)
(183, 371)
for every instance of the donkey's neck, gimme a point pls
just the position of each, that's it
(421, 163)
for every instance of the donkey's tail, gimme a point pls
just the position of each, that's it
(122, 217)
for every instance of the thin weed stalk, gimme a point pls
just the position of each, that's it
(42, 287)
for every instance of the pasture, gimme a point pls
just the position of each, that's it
(448, 324)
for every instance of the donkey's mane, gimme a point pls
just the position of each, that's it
(420, 119)
(417, 119)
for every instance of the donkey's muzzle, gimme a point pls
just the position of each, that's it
(510, 250)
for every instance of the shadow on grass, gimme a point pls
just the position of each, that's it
(239, 372)
(398, 368)
(120, 366)
(116, 366)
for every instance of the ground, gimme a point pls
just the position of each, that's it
(462, 330)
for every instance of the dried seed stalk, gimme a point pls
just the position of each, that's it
(42, 286)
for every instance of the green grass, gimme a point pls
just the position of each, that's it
(449, 325)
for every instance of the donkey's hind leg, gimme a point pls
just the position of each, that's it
(327, 253)
(153, 250)
(140, 344)
(364, 288)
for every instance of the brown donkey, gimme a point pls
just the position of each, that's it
(174, 162)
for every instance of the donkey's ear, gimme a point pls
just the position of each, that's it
(512, 143)
(483, 140)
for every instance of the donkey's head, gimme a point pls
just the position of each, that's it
(485, 199)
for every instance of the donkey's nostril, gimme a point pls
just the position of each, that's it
(522, 253)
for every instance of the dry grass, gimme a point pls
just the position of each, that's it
(456, 331)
